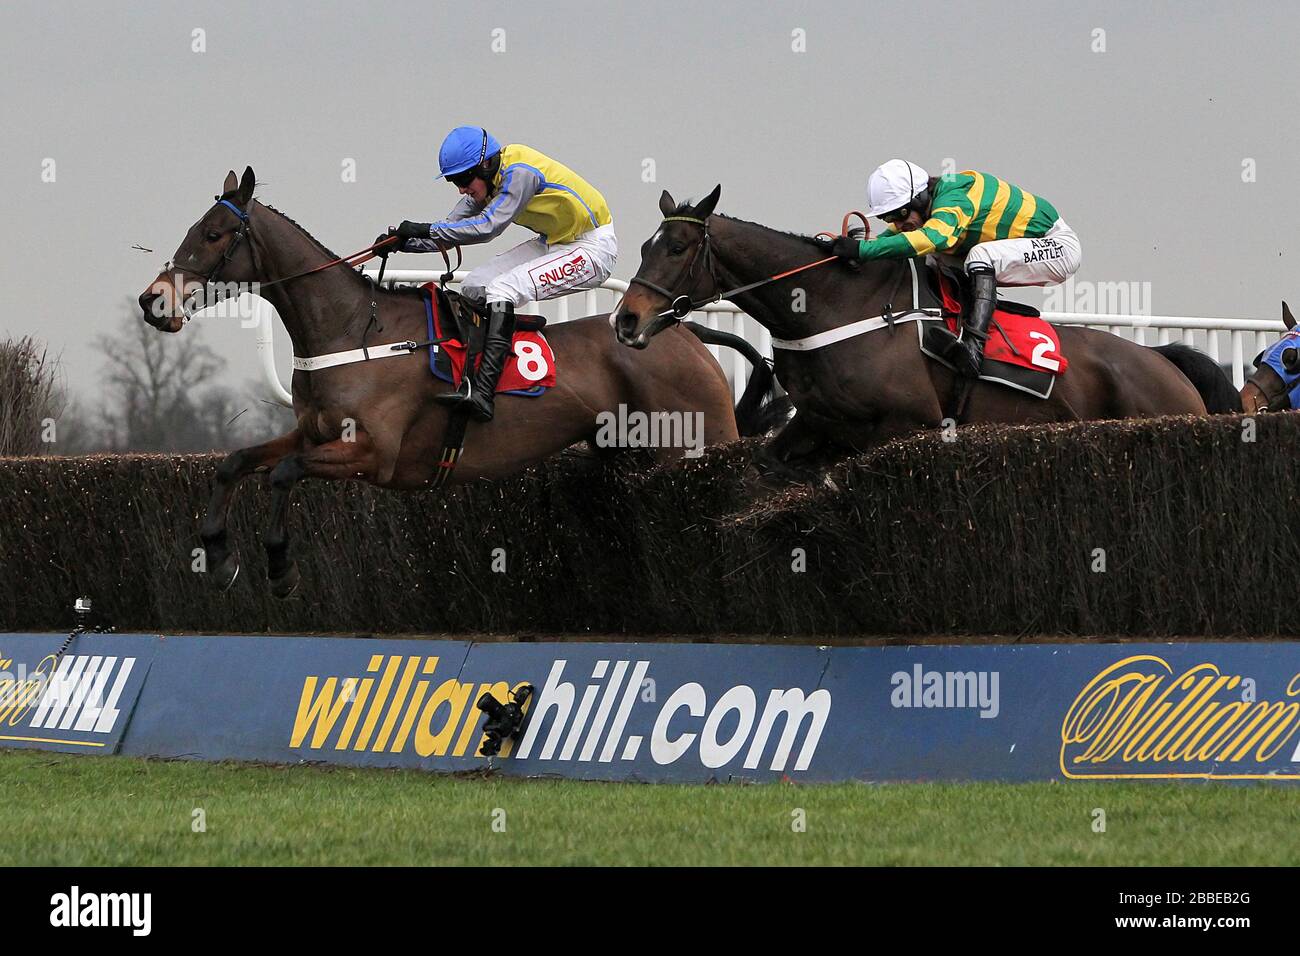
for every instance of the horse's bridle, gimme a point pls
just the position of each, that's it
(241, 233)
(245, 232)
(245, 224)
(680, 305)
(1268, 401)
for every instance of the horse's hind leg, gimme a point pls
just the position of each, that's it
(221, 561)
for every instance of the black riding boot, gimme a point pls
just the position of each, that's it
(967, 353)
(496, 349)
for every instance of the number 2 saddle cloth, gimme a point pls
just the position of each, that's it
(1023, 349)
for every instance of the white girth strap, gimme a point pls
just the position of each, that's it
(317, 362)
(861, 327)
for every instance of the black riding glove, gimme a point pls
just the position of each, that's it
(843, 246)
(413, 230)
(390, 247)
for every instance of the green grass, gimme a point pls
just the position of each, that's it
(77, 810)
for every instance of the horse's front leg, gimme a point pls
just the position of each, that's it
(784, 458)
(334, 460)
(238, 465)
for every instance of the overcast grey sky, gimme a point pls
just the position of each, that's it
(1140, 147)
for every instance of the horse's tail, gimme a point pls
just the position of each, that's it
(1202, 371)
(760, 409)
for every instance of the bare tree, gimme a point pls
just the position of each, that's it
(29, 397)
(161, 394)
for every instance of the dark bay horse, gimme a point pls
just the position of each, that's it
(377, 421)
(1272, 387)
(862, 391)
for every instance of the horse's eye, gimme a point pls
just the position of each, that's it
(676, 250)
(213, 236)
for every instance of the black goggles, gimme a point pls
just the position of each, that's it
(460, 180)
(898, 215)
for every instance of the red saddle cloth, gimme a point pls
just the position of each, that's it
(1022, 338)
(529, 369)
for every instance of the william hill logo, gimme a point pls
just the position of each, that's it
(80, 693)
(1138, 719)
(394, 707)
(402, 706)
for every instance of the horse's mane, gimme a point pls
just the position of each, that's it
(324, 249)
(758, 225)
(686, 209)
(329, 253)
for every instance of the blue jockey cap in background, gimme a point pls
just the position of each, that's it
(466, 148)
(1272, 357)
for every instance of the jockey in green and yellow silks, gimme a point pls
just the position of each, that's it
(999, 233)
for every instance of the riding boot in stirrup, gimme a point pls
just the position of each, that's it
(496, 348)
(967, 353)
(459, 396)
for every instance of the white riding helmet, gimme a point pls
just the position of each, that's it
(894, 185)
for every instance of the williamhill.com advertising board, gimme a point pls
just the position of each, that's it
(673, 712)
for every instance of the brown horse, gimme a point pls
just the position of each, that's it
(864, 390)
(377, 421)
(1277, 372)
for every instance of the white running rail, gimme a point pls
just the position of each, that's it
(1237, 339)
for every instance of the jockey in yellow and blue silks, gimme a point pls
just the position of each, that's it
(575, 247)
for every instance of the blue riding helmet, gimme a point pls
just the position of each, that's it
(1272, 357)
(466, 148)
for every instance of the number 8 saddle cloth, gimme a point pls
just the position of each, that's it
(530, 369)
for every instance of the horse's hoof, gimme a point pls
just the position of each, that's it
(287, 583)
(227, 571)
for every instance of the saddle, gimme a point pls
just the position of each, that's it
(457, 326)
(464, 319)
(1023, 351)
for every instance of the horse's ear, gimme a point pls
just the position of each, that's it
(246, 186)
(231, 182)
(1287, 317)
(666, 204)
(704, 209)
